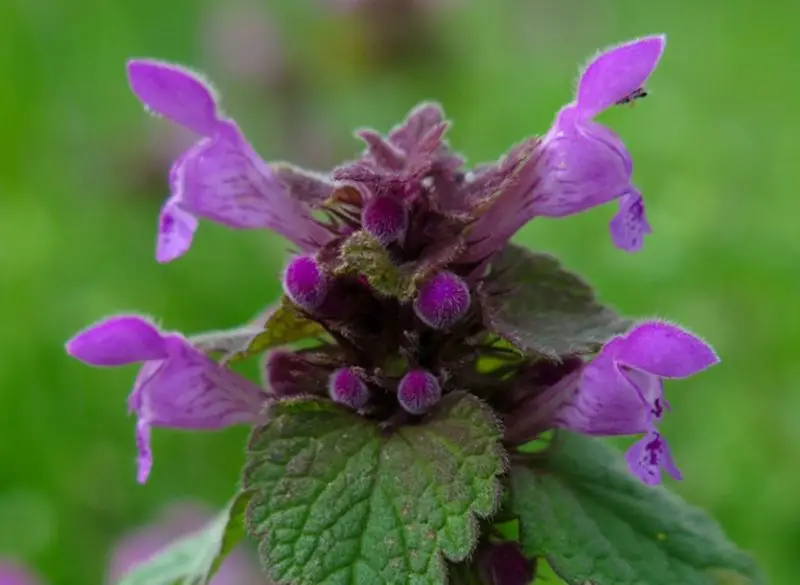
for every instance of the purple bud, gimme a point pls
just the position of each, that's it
(502, 563)
(418, 391)
(442, 301)
(305, 283)
(346, 387)
(385, 218)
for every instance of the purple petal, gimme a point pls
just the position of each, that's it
(382, 151)
(175, 93)
(650, 389)
(630, 225)
(12, 573)
(617, 73)
(648, 456)
(116, 341)
(227, 182)
(604, 402)
(144, 457)
(582, 165)
(176, 229)
(665, 350)
(419, 122)
(189, 391)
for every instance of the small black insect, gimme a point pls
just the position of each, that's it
(631, 97)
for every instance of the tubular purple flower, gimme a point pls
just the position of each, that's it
(442, 301)
(305, 282)
(346, 387)
(221, 177)
(586, 164)
(579, 164)
(418, 392)
(177, 386)
(620, 392)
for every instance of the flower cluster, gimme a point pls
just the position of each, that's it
(395, 271)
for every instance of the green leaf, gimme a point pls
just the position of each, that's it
(595, 523)
(273, 328)
(225, 341)
(285, 325)
(339, 500)
(363, 255)
(541, 307)
(194, 559)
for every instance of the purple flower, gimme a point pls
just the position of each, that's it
(620, 392)
(177, 386)
(12, 573)
(177, 521)
(579, 164)
(221, 177)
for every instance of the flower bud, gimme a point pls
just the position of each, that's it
(502, 563)
(386, 219)
(305, 283)
(442, 301)
(346, 387)
(418, 391)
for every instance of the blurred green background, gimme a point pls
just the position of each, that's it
(82, 175)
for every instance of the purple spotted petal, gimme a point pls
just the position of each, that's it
(119, 340)
(12, 573)
(629, 226)
(175, 93)
(618, 72)
(189, 391)
(648, 456)
(176, 229)
(665, 350)
(226, 181)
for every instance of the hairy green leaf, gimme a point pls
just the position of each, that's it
(337, 499)
(362, 254)
(595, 523)
(285, 325)
(540, 307)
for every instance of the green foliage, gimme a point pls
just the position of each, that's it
(336, 499)
(545, 309)
(284, 325)
(584, 512)
(363, 255)
(194, 559)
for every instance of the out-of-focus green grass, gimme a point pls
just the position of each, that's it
(714, 149)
